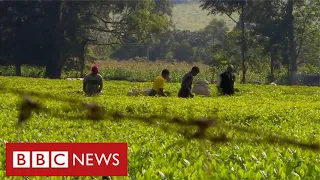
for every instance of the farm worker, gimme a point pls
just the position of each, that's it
(158, 84)
(226, 83)
(186, 85)
(93, 82)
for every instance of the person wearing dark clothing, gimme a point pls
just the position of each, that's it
(186, 85)
(227, 79)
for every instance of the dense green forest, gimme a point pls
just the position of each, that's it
(275, 37)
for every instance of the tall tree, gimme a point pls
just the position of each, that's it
(270, 28)
(273, 19)
(228, 8)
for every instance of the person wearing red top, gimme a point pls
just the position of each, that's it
(93, 82)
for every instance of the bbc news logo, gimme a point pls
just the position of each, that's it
(40, 159)
(66, 159)
(59, 159)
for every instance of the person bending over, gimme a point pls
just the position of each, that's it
(186, 85)
(227, 79)
(158, 84)
(93, 82)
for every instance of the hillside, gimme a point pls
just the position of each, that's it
(189, 16)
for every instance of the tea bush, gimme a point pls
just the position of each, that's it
(286, 111)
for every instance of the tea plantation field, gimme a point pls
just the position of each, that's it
(292, 112)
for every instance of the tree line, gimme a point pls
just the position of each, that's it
(278, 35)
(48, 33)
(274, 35)
(287, 31)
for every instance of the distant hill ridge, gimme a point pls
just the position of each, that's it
(187, 15)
